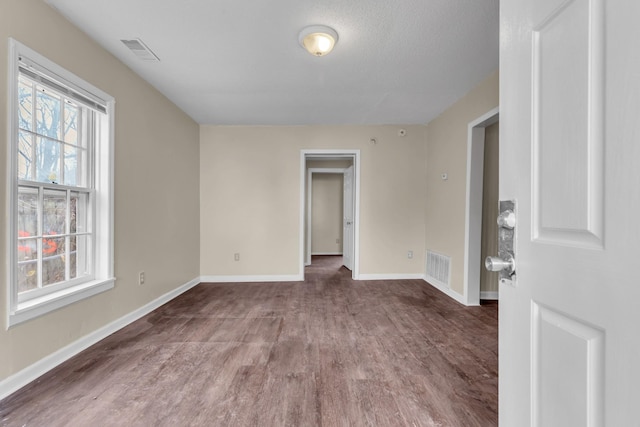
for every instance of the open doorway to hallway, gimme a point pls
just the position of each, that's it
(325, 212)
(330, 206)
(490, 187)
(481, 208)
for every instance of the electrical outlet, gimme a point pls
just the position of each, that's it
(141, 278)
(410, 254)
(236, 257)
(338, 241)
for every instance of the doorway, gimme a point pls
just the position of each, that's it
(474, 213)
(314, 162)
(490, 197)
(325, 193)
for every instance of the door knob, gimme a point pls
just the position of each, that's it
(492, 263)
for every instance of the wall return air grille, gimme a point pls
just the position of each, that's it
(438, 269)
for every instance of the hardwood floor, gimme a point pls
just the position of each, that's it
(325, 352)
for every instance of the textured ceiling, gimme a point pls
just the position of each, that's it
(232, 62)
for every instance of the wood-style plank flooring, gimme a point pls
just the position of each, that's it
(325, 352)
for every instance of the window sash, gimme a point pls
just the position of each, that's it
(85, 256)
(84, 143)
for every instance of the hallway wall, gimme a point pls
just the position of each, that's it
(326, 214)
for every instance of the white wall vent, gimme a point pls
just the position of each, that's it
(438, 269)
(140, 49)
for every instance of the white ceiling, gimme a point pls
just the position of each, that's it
(238, 62)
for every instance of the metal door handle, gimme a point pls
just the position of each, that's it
(493, 263)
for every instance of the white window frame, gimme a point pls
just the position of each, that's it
(102, 278)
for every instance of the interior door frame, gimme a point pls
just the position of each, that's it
(473, 210)
(330, 154)
(309, 197)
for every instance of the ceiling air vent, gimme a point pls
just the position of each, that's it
(140, 49)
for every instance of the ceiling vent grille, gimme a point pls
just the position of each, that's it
(140, 49)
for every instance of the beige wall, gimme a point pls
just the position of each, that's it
(250, 197)
(156, 187)
(447, 153)
(326, 213)
(489, 245)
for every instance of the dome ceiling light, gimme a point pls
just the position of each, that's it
(318, 40)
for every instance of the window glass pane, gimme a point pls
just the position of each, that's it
(73, 212)
(53, 260)
(27, 249)
(48, 113)
(27, 265)
(73, 257)
(78, 211)
(27, 212)
(70, 123)
(54, 213)
(48, 160)
(74, 166)
(25, 105)
(70, 165)
(25, 155)
(79, 256)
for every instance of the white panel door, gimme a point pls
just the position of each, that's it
(347, 222)
(570, 158)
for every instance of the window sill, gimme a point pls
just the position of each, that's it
(45, 304)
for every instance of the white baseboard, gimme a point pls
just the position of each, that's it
(251, 279)
(449, 292)
(325, 253)
(18, 380)
(402, 276)
(492, 295)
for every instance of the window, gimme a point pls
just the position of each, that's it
(61, 187)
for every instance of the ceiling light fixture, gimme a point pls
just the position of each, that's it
(318, 40)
